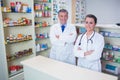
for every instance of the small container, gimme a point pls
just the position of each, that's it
(12, 4)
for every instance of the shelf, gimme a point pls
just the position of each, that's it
(103, 26)
(42, 26)
(43, 50)
(111, 37)
(11, 42)
(37, 39)
(17, 26)
(19, 57)
(41, 10)
(111, 62)
(104, 71)
(15, 73)
(107, 26)
(23, 21)
(17, 12)
(112, 50)
(43, 17)
(36, 1)
(107, 60)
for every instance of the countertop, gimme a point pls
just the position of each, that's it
(64, 71)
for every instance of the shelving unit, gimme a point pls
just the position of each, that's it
(17, 37)
(43, 21)
(111, 53)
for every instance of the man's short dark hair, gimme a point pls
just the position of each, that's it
(62, 10)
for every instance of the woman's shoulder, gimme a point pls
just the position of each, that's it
(99, 35)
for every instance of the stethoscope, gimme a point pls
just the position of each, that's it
(88, 39)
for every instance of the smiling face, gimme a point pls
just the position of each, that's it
(89, 24)
(63, 17)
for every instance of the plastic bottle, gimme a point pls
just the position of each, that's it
(38, 47)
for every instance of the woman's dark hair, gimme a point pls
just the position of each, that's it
(62, 10)
(92, 16)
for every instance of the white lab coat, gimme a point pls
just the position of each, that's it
(62, 48)
(90, 61)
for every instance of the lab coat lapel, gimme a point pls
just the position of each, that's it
(59, 31)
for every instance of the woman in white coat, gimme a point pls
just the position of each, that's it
(89, 46)
(62, 39)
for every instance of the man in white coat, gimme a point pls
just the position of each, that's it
(62, 37)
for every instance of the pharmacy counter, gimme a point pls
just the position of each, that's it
(42, 68)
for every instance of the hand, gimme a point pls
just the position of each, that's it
(57, 36)
(88, 52)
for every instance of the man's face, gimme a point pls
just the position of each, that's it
(63, 17)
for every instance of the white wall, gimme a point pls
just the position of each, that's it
(107, 11)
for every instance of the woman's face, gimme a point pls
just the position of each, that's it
(63, 17)
(89, 24)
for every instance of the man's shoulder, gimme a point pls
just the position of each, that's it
(71, 25)
(55, 25)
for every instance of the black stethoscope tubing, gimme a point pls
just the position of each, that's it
(88, 39)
